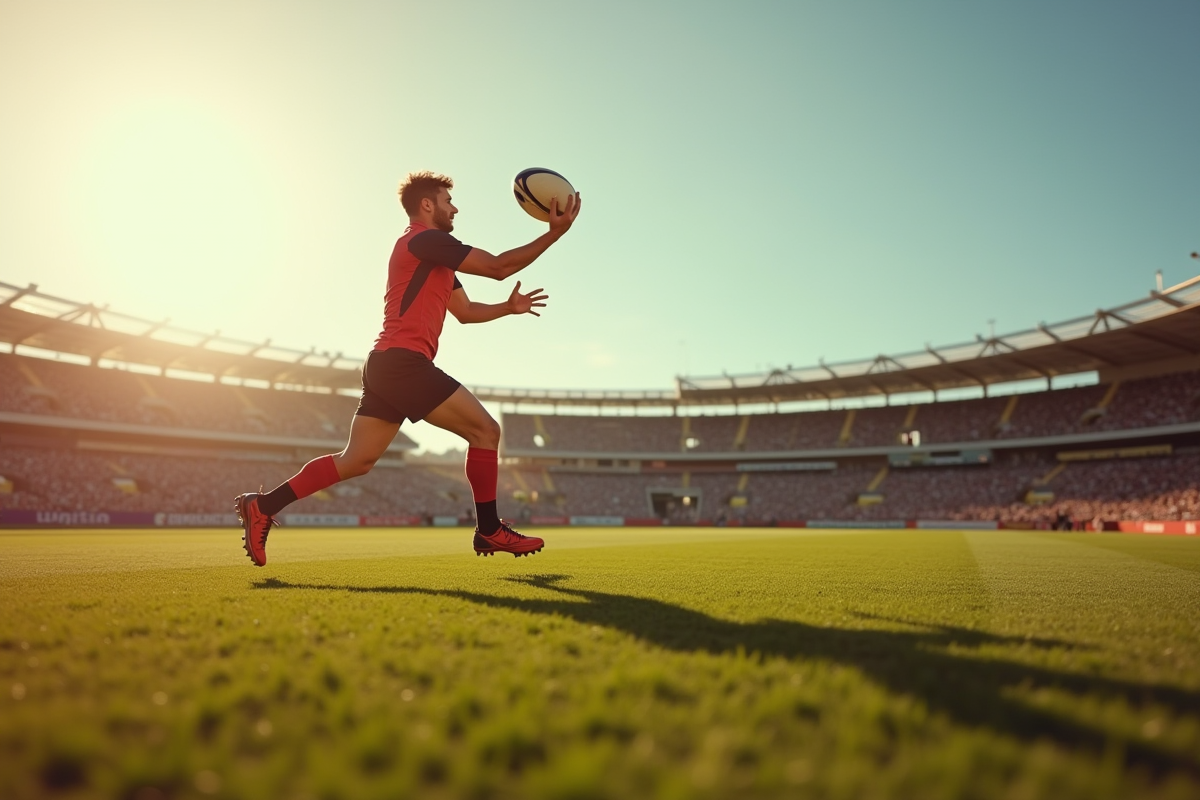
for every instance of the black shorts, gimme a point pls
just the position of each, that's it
(401, 384)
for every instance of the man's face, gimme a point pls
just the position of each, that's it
(443, 211)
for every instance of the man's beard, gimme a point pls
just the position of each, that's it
(442, 221)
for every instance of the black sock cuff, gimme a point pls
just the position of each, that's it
(277, 499)
(487, 517)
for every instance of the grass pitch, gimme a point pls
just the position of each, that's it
(617, 663)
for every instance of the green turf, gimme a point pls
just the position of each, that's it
(617, 663)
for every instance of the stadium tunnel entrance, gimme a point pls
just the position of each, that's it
(681, 503)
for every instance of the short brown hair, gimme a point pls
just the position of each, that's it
(420, 185)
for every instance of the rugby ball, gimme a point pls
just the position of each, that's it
(534, 187)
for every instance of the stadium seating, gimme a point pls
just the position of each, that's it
(1135, 404)
(71, 480)
(1154, 401)
(564, 433)
(1148, 488)
(64, 478)
(40, 386)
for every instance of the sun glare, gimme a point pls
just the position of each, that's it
(168, 184)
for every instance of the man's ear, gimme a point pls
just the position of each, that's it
(428, 205)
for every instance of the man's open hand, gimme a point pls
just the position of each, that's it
(560, 222)
(526, 303)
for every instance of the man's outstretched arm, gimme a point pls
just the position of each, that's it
(466, 311)
(510, 262)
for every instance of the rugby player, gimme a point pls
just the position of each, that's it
(399, 378)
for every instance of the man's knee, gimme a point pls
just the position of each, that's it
(353, 466)
(487, 434)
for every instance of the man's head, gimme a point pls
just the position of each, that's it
(426, 197)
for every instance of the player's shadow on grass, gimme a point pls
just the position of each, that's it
(927, 662)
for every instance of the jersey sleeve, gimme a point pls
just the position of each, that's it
(438, 248)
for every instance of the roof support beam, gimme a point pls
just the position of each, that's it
(34, 330)
(1074, 348)
(72, 314)
(1171, 301)
(1165, 341)
(30, 289)
(881, 389)
(153, 329)
(263, 346)
(923, 384)
(204, 342)
(997, 342)
(956, 370)
(1031, 367)
(778, 377)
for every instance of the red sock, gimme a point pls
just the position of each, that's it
(314, 476)
(482, 471)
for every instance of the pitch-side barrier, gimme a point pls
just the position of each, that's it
(19, 518)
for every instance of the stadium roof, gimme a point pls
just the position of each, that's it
(30, 318)
(1162, 327)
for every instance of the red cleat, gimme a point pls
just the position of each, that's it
(506, 540)
(256, 525)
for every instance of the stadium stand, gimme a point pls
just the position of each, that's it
(1149, 402)
(125, 438)
(1134, 489)
(584, 434)
(1137, 489)
(46, 478)
(41, 386)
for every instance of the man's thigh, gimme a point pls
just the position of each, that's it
(369, 437)
(462, 414)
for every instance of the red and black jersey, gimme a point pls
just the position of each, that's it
(420, 280)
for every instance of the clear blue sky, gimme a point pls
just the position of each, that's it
(766, 182)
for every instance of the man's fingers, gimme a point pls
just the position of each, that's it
(517, 288)
(536, 314)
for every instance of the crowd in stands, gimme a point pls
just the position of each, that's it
(45, 387)
(61, 479)
(805, 495)
(1162, 488)
(53, 388)
(1155, 401)
(1143, 403)
(65, 478)
(1159, 488)
(1122, 489)
(568, 434)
